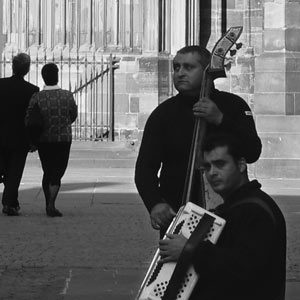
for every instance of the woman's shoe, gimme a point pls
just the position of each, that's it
(53, 212)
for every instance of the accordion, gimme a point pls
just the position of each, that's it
(158, 276)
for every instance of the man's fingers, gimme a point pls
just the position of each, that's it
(162, 221)
(155, 224)
(173, 213)
(157, 221)
(164, 260)
(164, 255)
(161, 216)
(171, 236)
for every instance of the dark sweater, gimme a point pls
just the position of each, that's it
(167, 141)
(249, 260)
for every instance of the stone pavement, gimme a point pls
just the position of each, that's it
(102, 246)
(103, 235)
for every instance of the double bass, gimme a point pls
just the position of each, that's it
(172, 281)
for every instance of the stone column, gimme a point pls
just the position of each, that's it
(150, 30)
(277, 91)
(147, 65)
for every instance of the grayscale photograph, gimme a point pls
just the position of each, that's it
(150, 150)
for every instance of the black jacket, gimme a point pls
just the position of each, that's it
(249, 260)
(14, 100)
(167, 141)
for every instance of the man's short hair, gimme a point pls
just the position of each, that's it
(21, 64)
(223, 140)
(50, 74)
(202, 52)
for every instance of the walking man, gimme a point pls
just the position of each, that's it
(14, 140)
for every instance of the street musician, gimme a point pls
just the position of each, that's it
(249, 260)
(168, 135)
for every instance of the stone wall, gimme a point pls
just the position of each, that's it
(277, 91)
(265, 73)
(141, 83)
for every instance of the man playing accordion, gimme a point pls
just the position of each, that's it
(249, 260)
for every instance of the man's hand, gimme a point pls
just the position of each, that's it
(161, 215)
(208, 110)
(171, 248)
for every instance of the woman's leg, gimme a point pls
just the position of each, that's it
(45, 186)
(54, 158)
(50, 209)
(53, 192)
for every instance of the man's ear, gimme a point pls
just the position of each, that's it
(242, 164)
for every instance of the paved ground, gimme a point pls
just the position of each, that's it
(103, 245)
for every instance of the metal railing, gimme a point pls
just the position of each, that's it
(90, 78)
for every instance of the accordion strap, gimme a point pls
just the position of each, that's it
(184, 261)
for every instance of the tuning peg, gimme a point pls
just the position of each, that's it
(238, 45)
(228, 63)
(227, 66)
(232, 52)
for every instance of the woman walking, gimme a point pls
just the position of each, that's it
(58, 111)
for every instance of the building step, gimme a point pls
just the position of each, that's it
(96, 155)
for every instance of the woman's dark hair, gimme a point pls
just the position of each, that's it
(224, 140)
(50, 74)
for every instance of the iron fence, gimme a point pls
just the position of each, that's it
(91, 79)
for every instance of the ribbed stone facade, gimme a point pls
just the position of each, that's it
(265, 72)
